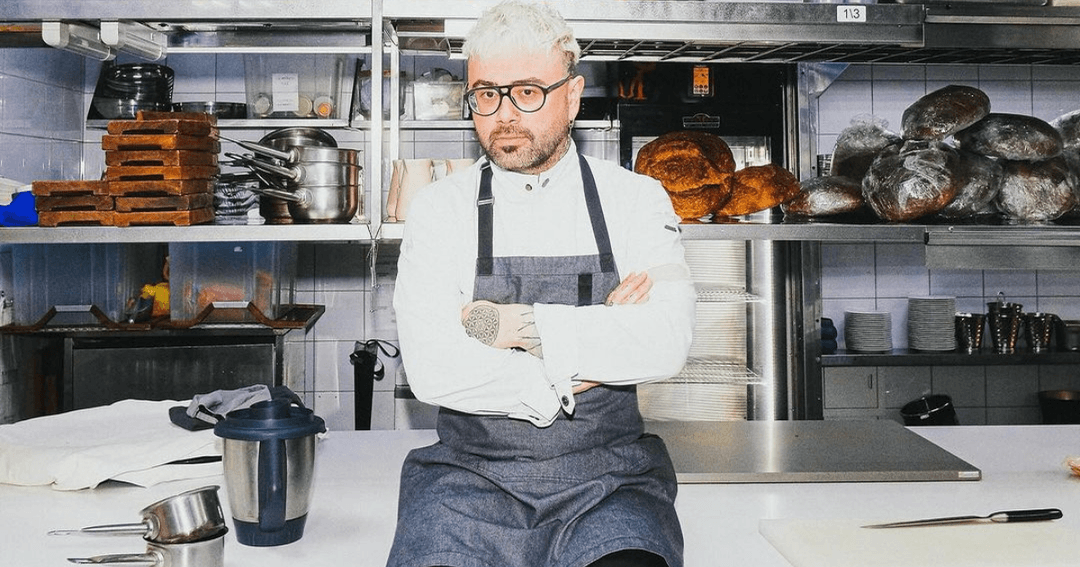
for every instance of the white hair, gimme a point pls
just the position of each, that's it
(517, 26)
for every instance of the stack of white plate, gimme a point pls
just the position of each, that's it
(932, 323)
(868, 331)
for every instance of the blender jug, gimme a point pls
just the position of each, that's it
(269, 460)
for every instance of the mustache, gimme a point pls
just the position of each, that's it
(510, 130)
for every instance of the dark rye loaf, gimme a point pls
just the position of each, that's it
(917, 181)
(942, 113)
(1011, 137)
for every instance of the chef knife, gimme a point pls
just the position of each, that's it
(997, 517)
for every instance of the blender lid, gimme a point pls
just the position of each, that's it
(273, 419)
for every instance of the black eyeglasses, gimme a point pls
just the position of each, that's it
(527, 97)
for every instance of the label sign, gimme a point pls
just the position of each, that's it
(286, 90)
(851, 13)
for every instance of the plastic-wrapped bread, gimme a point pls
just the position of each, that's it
(757, 188)
(942, 113)
(1068, 125)
(1036, 191)
(826, 196)
(912, 183)
(1011, 137)
(978, 180)
(859, 144)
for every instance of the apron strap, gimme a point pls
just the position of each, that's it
(485, 224)
(485, 264)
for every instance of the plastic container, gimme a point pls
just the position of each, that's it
(438, 100)
(73, 277)
(295, 85)
(230, 275)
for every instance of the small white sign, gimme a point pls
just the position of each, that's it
(286, 91)
(848, 13)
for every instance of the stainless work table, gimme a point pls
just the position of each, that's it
(353, 512)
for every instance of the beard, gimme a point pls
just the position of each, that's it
(518, 149)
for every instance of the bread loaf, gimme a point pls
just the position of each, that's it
(1012, 137)
(978, 179)
(1036, 191)
(826, 196)
(914, 182)
(1068, 125)
(942, 113)
(757, 188)
(859, 144)
(697, 203)
(686, 160)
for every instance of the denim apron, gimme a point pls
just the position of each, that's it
(501, 492)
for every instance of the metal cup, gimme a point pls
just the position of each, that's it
(969, 331)
(1039, 330)
(1004, 330)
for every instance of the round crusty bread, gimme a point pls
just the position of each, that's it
(696, 203)
(686, 160)
(826, 196)
(1013, 137)
(915, 182)
(1036, 191)
(757, 188)
(978, 179)
(942, 113)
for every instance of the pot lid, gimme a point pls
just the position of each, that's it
(273, 419)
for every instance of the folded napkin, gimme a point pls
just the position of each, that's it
(130, 440)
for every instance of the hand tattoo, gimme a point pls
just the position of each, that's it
(482, 324)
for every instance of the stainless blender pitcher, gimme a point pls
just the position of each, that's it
(269, 460)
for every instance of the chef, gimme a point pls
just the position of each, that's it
(534, 290)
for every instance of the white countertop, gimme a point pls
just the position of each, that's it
(354, 507)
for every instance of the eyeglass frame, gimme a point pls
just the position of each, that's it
(504, 92)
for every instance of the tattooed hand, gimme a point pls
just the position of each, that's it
(502, 326)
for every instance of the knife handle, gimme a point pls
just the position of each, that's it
(1026, 515)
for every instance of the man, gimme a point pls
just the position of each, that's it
(513, 318)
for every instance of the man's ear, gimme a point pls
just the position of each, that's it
(575, 89)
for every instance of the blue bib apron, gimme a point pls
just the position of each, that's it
(500, 492)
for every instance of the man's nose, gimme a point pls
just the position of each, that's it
(507, 112)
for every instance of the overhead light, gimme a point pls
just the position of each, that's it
(76, 38)
(134, 38)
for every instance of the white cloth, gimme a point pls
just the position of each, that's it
(542, 215)
(130, 440)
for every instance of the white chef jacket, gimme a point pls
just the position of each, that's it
(540, 215)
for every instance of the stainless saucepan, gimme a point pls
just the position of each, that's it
(206, 553)
(190, 516)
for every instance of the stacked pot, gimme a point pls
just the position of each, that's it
(185, 530)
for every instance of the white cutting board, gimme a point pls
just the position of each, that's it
(842, 543)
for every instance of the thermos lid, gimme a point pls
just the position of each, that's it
(273, 419)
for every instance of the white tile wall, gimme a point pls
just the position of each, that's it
(882, 276)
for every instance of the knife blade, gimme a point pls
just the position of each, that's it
(1037, 515)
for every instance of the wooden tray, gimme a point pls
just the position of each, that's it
(159, 172)
(160, 142)
(144, 158)
(62, 218)
(170, 218)
(49, 188)
(164, 203)
(74, 203)
(165, 115)
(152, 187)
(171, 126)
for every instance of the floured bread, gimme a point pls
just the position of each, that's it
(944, 112)
(686, 160)
(757, 188)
